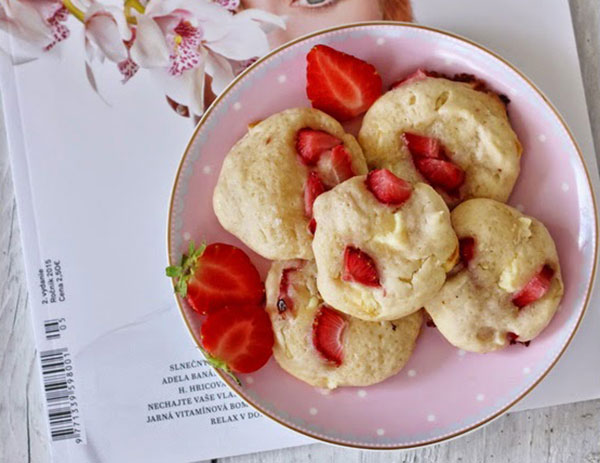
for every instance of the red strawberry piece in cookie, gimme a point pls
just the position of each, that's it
(335, 166)
(210, 277)
(285, 302)
(340, 84)
(431, 160)
(387, 188)
(535, 289)
(328, 331)
(238, 339)
(311, 144)
(313, 188)
(359, 267)
(467, 249)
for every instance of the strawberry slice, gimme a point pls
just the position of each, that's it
(387, 188)
(359, 267)
(438, 172)
(535, 288)
(238, 339)
(467, 249)
(312, 226)
(216, 275)
(340, 84)
(310, 144)
(328, 330)
(419, 145)
(335, 166)
(285, 301)
(313, 188)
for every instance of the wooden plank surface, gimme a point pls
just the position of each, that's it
(569, 433)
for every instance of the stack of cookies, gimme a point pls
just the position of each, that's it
(362, 238)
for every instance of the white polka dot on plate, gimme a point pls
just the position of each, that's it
(448, 61)
(361, 393)
(513, 91)
(249, 379)
(237, 106)
(380, 432)
(431, 418)
(564, 187)
(282, 78)
(520, 207)
(380, 41)
(313, 411)
(207, 169)
(324, 391)
(186, 236)
(526, 370)
(480, 397)
(412, 373)
(461, 353)
(542, 138)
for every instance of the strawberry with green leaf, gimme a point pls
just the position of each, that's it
(213, 276)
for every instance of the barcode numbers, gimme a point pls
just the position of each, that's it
(53, 327)
(59, 386)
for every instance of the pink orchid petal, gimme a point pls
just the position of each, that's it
(150, 48)
(268, 21)
(102, 29)
(245, 39)
(220, 70)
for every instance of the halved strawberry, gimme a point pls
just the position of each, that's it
(313, 188)
(467, 249)
(340, 84)
(443, 174)
(335, 166)
(312, 226)
(239, 339)
(419, 145)
(216, 275)
(310, 144)
(387, 188)
(359, 267)
(284, 300)
(535, 288)
(328, 330)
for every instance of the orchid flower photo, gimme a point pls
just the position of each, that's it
(193, 48)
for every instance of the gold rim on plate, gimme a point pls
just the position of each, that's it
(500, 412)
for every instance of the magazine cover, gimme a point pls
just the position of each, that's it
(100, 99)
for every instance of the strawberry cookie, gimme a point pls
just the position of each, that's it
(382, 246)
(507, 287)
(454, 135)
(324, 347)
(271, 177)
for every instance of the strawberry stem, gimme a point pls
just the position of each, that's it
(220, 365)
(186, 268)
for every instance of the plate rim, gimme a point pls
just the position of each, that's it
(589, 284)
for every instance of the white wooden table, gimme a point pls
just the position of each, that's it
(569, 433)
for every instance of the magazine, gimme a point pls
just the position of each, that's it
(97, 118)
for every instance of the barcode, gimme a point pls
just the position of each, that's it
(59, 386)
(52, 329)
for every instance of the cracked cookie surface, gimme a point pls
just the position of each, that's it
(370, 351)
(509, 286)
(472, 127)
(260, 193)
(410, 248)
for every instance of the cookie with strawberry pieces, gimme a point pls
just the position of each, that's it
(324, 347)
(382, 245)
(452, 133)
(271, 177)
(508, 285)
